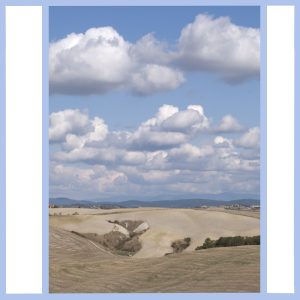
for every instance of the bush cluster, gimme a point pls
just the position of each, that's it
(180, 245)
(230, 241)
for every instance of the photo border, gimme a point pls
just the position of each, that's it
(263, 172)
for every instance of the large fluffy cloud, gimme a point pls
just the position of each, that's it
(175, 151)
(74, 130)
(101, 60)
(89, 63)
(218, 45)
(66, 122)
(149, 50)
(169, 127)
(191, 119)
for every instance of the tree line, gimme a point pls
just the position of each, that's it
(230, 241)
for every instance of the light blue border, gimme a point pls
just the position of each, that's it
(149, 2)
(2, 153)
(263, 124)
(297, 149)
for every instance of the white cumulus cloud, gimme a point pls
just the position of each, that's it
(155, 78)
(191, 119)
(75, 129)
(169, 127)
(217, 45)
(89, 63)
(229, 124)
(101, 60)
(67, 121)
(250, 139)
(175, 150)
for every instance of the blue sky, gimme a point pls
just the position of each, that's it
(135, 22)
(222, 86)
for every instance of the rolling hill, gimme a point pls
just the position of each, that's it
(181, 203)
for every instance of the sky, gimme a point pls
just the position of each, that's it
(153, 101)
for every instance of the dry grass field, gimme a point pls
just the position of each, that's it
(241, 212)
(80, 265)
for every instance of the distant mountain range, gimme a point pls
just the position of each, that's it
(181, 203)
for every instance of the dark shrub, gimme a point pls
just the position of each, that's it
(230, 241)
(253, 240)
(179, 245)
(208, 243)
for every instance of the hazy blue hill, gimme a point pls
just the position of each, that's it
(223, 196)
(228, 196)
(69, 202)
(182, 203)
(187, 203)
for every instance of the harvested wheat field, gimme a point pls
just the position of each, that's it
(80, 263)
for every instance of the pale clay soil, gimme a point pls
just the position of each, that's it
(78, 265)
(166, 225)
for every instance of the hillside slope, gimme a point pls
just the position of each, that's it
(77, 266)
(166, 225)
